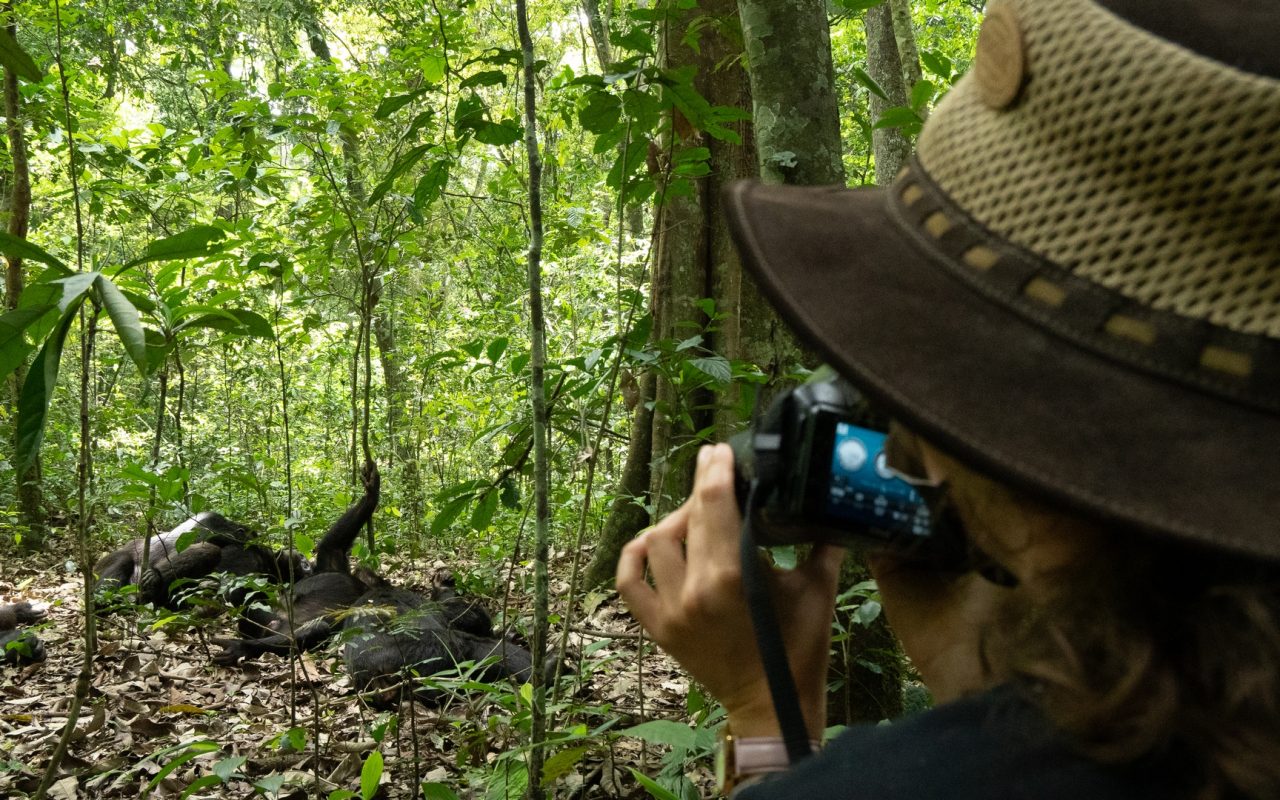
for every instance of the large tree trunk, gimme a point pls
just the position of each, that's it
(797, 128)
(18, 201)
(904, 33)
(797, 123)
(693, 259)
(884, 65)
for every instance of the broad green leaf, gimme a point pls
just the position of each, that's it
(483, 513)
(490, 77)
(431, 184)
(858, 6)
(13, 347)
(14, 58)
(448, 514)
(922, 93)
(437, 791)
(126, 321)
(203, 782)
(562, 763)
(37, 389)
(602, 111)
(899, 117)
(371, 775)
(861, 76)
(499, 134)
(394, 103)
(937, 63)
(652, 787)
(717, 367)
(13, 247)
(200, 240)
(254, 324)
(661, 731)
(194, 750)
(402, 165)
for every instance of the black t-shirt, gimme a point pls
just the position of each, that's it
(994, 746)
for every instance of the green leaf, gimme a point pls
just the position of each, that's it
(861, 76)
(402, 165)
(448, 514)
(14, 58)
(13, 247)
(197, 241)
(499, 134)
(867, 613)
(922, 93)
(193, 750)
(203, 782)
(661, 731)
(431, 184)
(937, 63)
(602, 111)
(899, 117)
(13, 347)
(37, 390)
(126, 321)
(491, 77)
(482, 515)
(562, 763)
(858, 6)
(496, 348)
(437, 791)
(652, 786)
(717, 367)
(638, 39)
(394, 103)
(254, 324)
(371, 775)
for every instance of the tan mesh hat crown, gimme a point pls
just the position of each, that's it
(1076, 282)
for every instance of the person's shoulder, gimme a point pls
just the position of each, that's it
(994, 745)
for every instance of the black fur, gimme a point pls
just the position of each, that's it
(315, 600)
(396, 634)
(19, 646)
(218, 545)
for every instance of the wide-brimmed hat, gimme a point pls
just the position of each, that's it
(1075, 284)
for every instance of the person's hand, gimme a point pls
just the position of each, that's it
(696, 610)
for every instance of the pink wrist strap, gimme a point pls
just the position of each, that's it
(762, 754)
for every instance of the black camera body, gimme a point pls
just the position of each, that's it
(820, 475)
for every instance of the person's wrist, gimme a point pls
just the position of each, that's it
(757, 719)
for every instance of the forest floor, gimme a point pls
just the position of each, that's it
(161, 717)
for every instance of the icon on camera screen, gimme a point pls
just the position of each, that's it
(863, 490)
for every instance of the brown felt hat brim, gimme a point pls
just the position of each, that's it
(996, 389)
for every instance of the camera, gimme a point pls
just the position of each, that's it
(817, 458)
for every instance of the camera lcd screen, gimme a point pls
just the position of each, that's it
(861, 492)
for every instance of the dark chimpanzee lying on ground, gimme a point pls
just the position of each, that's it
(331, 587)
(396, 634)
(19, 646)
(216, 545)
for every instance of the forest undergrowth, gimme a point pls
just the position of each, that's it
(162, 717)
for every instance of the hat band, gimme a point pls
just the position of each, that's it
(1238, 367)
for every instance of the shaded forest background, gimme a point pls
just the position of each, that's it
(251, 241)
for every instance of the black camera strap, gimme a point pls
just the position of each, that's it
(773, 651)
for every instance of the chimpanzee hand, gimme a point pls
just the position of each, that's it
(696, 610)
(233, 650)
(370, 477)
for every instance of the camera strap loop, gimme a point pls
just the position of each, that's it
(773, 651)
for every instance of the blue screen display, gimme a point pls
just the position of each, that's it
(862, 491)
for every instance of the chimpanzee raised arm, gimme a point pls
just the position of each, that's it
(313, 600)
